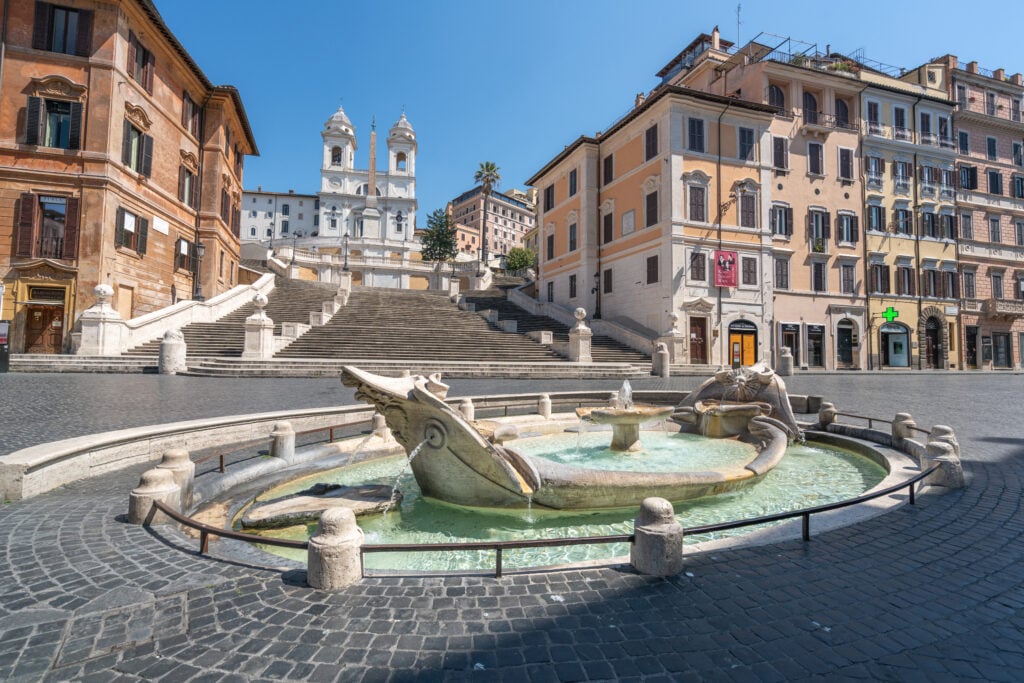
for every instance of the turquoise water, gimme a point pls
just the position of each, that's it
(808, 475)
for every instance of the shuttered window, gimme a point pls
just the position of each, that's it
(47, 226)
(131, 231)
(137, 150)
(141, 63)
(652, 269)
(53, 123)
(62, 29)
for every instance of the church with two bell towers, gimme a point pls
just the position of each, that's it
(373, 208)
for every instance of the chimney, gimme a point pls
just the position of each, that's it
(953, 62)
(1017, 79)
(716, 42)
(972, 67)
(999, 74)
(259, 188)
(291, 191)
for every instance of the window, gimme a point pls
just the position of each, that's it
(607, 289)
(137, 150)
(1019, 225)
(880, 278)
(968, 177)
(876, 218)
(776, 97)
(401, 162)
(969, 289)
(819, 229)
(847, 281)
(848, 228)
(47, 226)
(609, 227)
(572, 182)
(782, 221)
(994, 233)
(931, 283)
(188, 188)
(550, 251)
(903, 221)
(652, 269)
(572, 286)
(609, 169)
(899, 122)
(284, 227)
(185, 254)
(651, 208)
(905, 280)
(746, 144)
(967, 226)
(748, 210)
(698, 267)
(628, 222)
(990, 103)
(698, 203)
(189, 115)
(252, 231)
(335, 156)
(842, 113)
(141, 63)
(131, 231)
(1018, 186)
(572, 237)
(875, 171)
(1018, 154)
(549, 197)
(748, 268)
(874, 118)
(62, 29)
(695, 135)
(902, 171)
(926, 126)
(815, 158)
(928, 224)
(991, 148)
(997, 285)
(53, 123)
(780, 153)
(551, 292)
(995, 182)
(947, 226)
(651, 142)
(846, 164)
(818, 278)
(810, 108)
(961, 96)
(1015, 109)
(285, 209)
(950, 285)
(781, 273)
(944, 139)
(965, 141)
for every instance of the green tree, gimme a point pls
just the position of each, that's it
(519, 258)
(489, 177)
(438, 240)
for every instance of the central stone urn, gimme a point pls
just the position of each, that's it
(456, 461)
(625, 417)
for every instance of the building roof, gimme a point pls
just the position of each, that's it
(659, 93)
(494, 195)
(151, 11)
(289, 193)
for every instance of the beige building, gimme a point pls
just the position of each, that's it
(120, 163)
(504, 224)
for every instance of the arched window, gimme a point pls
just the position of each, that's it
(336, 156)
(400, 161)
(776, 97)
(270, 232)
(252, 231)
(842, 113)
(810, 108)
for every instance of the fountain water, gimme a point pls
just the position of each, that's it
(408, 466)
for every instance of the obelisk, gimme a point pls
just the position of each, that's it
(371, 215)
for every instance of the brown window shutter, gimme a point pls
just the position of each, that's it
(827, 225)
(119, 227)
(83, 42)
(41, 27)
(855, 228)
(71, 222)
(33, 118)
(881, 166)
(181, 183)
(133, 46)
(126, 144)
(75, 132)
(789, 221)
(150, 69)
(26, 224)
(194, 199)
(142, 227)
(147, 155)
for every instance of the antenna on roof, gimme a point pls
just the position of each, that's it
(739, 8)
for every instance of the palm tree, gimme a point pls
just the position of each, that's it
(489, 176)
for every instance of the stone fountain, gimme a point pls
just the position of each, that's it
(625, 418)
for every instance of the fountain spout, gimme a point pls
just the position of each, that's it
(626, 395)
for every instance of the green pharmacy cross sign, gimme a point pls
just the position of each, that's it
(890, 314)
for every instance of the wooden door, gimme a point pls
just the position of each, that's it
(699, 341)
(931, 343)
(44, 332)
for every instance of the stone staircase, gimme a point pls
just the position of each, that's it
(603, 349)
(290, 301)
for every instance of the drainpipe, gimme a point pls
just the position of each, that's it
(718, 195)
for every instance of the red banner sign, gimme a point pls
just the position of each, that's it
(726, 269)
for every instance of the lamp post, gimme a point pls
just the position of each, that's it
(198, 277)
(344, 246)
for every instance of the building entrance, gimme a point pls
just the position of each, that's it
(699, 341)
(44, 331)
(931, 344)
(742, 343)
(844, 344)
(895, 345)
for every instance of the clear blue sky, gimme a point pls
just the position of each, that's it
(512, 83)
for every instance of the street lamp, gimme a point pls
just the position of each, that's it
(344, 246)
(198, 277)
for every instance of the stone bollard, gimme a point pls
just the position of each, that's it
(580, 337)
(903, 426)
(785, 367)
(467, 409)
(282, 444)
(658, 548)
(333, 556)
(172, 353)
(945, 434)
(180, 465)
(950, 473)
(544, 406)
(154, 485)
(661, 366)
(827, 414)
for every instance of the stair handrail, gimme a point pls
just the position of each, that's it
(624, 334)
(150, 326)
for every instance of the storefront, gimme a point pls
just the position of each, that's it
(742, 343)
(894, 345)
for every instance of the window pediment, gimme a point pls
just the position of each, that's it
(57, 86)
(697, 177)
(651, 184)
(189, 160)
(138, 116)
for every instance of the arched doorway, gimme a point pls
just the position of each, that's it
(742, 343)
(894, 345)
(932, 329)
(844, 344)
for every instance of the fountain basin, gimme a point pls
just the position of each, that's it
(720, 419)
(625, 423)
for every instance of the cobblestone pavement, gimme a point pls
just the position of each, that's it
(932, 592)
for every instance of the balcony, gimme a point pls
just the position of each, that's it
(821, 122)
(946, 142)
(928, 189)
(901, 185)
(1003, 308)
(818, 245)
(947, 192)
(876, 128)
(874, 181)
(903, 134)
(929, 139)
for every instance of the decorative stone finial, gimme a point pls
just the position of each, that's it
(260, 301)
(673, 329)
(104, 293)
(581, 316)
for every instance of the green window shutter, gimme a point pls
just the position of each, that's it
(26, 224)
(119, 228)
(41, 27)
(83, 42)
(75, 132)
(142, 228)
(147, 156)
(33, 117)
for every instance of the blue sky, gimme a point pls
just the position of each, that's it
(512, 83)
